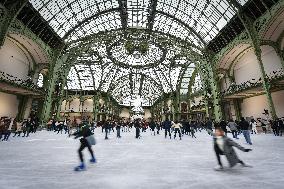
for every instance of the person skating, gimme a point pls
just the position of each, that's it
(118, 128)
(137, 126)
(18, 129)
(177, 128)
(12, 124)
(158, 125)
(106, 125)
(233, 127)
(223, 126)
(224, 146)
(27, 127)
(281, 126)
(167, 126)
(152, 126)
(209, 126)
(244, 125)
(192, 127)
(85, 135)
(253, 127)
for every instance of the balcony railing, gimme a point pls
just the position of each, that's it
(271, 78)
(17, 82)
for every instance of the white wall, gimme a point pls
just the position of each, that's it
(254, 106)
(124, 113)
(196, 101)
(64, 106)
(247, 67)
(88, 105)
(74, 105)
(13, 60)
(147, 114)
(8, 105)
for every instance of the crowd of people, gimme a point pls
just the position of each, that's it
(9, 126)
(84, 130)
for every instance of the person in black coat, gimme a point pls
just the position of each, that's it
(152, 126)
(209, 126)
(83, 133)
(244, 126)
(158, 125)
(28, 127)
(281, 126)
(223, 126)
(224, 146)
(118, 128)
(167, 126)
(192, 128)
(137, 126)
(106, 125)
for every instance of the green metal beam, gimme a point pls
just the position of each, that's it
(8, 15)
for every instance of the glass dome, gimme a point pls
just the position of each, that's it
(135, 48)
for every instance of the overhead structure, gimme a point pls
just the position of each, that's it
(133, 48)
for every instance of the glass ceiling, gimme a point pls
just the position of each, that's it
(128, 76)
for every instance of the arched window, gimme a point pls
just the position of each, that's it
(40, 80)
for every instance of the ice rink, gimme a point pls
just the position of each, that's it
(46, 161)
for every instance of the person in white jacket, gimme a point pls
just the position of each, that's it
(253, 125)
(177, 128)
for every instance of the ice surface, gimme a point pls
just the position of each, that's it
(46, 161)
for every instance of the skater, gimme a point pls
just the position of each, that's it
(233, 127)
(27, 127)
(223, 126)
(167, 126)
(209, 126)
(177, 128)
(244, 125)
(224, 146)
(137, 126)
(1, 127)
(118, 128)
(158, 125)
(18, 129)
(9, 129)
(192, 129)
(281, 126)
(152, 126)
(106, 125)
(59, 127)
(86, 140)
(264, 125)
(253, 125)
(4, 129)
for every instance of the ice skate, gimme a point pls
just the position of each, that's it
(81, 167)
(219, 168)
(93, 160)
